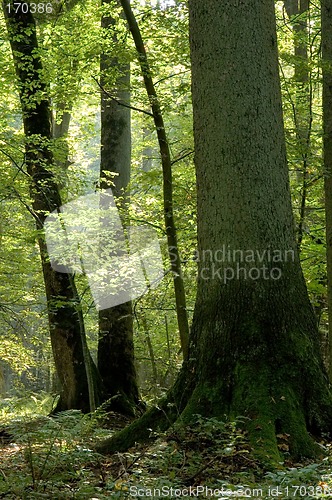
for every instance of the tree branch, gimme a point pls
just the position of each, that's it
(120, 103)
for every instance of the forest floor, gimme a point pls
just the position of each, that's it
(53, 458)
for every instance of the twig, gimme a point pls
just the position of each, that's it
(4, 475)
(126, 469)
(182, 157)
(14, 162)
(190, 479)
(120, 103)
(171, 76)
(30, 210)
(156, 226)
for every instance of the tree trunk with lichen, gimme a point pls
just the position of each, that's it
(254, 345)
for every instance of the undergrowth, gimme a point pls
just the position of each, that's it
(53, 458)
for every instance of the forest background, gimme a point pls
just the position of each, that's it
(71, 42)
(84, 75)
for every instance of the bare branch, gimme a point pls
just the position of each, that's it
(183, 157)
(120, 103)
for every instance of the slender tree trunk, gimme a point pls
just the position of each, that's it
(60, 131)
(61, 128)
(327, 138)
(254, 345)
(174, 255)
(65, 315)
(116, 361)
(302, 107)
(151, 351)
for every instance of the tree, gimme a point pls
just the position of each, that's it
(115, 346)
(64, 312)
(165, 155)
(298, 12)
(326, 15)
(254, 344)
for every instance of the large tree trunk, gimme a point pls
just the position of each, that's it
(115, 347)
(64, 312)
(254, 346)
(327, 127)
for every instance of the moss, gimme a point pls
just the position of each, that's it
(199, 404)
(281, 394)
(270, 410)
(290, 420)
(158, 418)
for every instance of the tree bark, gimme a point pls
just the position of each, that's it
(297, 12)
(326, 14)
(60, 131)
(116, 361)
(64, 312)
(254, 345)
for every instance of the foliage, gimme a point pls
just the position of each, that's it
(70, 46)
(49, 457)
(53, 458)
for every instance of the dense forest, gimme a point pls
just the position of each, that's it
(166, 249)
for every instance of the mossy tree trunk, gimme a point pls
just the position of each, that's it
(116, 362)
(64, 313)
(254, 334)
(254, 345)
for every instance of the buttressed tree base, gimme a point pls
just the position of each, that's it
(254, 346)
